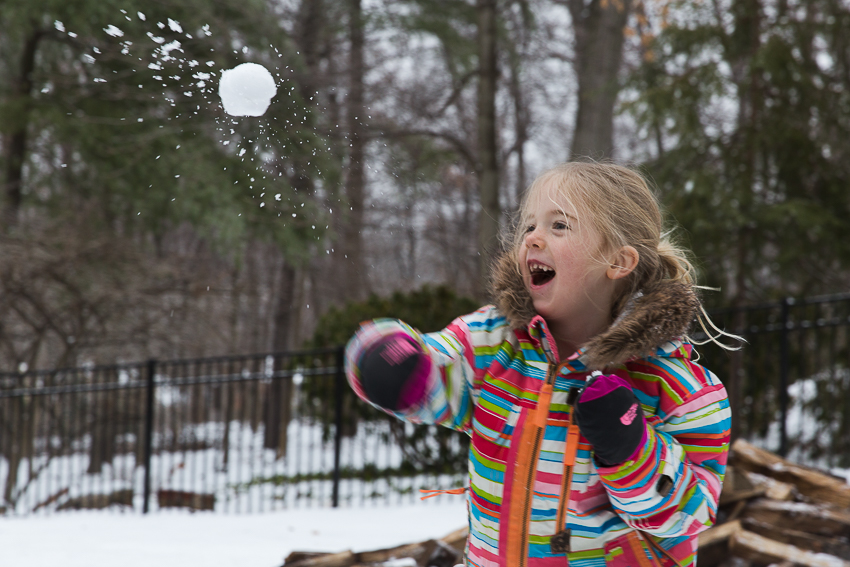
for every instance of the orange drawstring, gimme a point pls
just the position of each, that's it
(431, 493)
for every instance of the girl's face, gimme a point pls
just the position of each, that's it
(562, 263)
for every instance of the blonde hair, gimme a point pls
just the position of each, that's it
(623, 209)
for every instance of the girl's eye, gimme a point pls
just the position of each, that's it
(529, 228)
(560, 225)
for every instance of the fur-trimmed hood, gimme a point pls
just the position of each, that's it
(657, 315)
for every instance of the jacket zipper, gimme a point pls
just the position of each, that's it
(570, 450)
(540, 424)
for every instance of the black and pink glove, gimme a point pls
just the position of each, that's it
(394, 372)
(611, 419)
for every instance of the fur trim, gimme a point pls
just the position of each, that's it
(662, 313)
(509, 293)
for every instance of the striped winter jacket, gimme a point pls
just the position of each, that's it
(485, 377)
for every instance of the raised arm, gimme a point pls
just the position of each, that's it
(425, 378)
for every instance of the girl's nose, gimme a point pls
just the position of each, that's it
(533, 239)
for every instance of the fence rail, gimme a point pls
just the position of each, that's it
(259, 432)
(234, 434)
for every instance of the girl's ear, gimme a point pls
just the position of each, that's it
(624, 261)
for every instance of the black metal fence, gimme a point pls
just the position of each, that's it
(790, 385)
(261, 432)
(239, 434)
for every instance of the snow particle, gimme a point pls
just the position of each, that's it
(113, 31)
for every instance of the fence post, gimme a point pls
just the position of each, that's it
(339, 390)
(783, 376)
(149, 432)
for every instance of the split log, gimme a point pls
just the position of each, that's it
(810, 482)
(718, 534)
(773, 489)
(444, 552)
(732, 497)
(714, 544)
(418, 551)
(838, 547)
(736, 480)
(737, 491)
(817, 519)
(457, 539)
(758, 549)
(343, 559)
(297, 556)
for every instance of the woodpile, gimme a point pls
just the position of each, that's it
(772, 512)
(444, 552)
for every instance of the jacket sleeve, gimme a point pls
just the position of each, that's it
(459, 356)
(671, 486)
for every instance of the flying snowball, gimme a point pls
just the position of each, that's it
(246, 90)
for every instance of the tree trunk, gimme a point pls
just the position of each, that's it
(278, 410)
(521, 120)
(742, 52)
(598, 53)
(351, 245)
(16, 137)
(12, 449)
(488, 165)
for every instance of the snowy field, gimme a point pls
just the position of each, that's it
(107, 539)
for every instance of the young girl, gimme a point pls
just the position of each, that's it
(595, 438)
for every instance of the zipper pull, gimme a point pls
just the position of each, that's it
(543, 401)
(573, 436)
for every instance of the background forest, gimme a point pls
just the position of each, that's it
(139, 220)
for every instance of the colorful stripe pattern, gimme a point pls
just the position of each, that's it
(485, 380)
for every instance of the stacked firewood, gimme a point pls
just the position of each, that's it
(444, 552)
(772, 512)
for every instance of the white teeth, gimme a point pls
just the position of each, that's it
(540, 267)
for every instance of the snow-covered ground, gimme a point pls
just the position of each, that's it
(107, 539)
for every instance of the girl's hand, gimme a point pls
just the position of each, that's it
(610, 417)
(393, 372)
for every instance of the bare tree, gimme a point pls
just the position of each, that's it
(489, 218)
(351, 243)
(598, 26)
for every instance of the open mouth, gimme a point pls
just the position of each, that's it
(541, 274)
